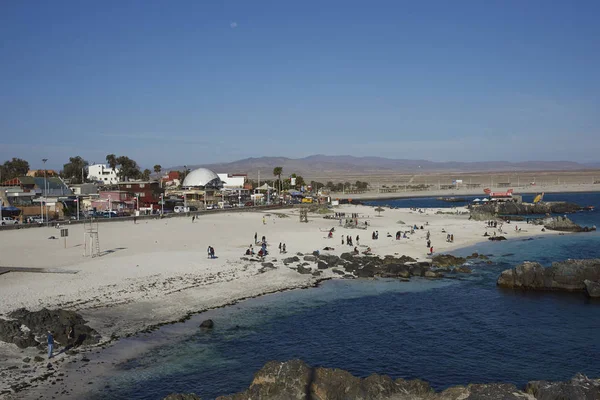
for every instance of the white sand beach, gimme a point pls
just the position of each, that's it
(157, 271)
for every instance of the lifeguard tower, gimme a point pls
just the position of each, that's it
(91, 240)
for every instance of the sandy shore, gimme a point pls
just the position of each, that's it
(463, 191)
(157, 271)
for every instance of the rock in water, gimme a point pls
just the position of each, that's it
(567, 275)
(592, 288)
(563, 224)
(182, 396)
(207, 324)
(447, 260)
(580, 387)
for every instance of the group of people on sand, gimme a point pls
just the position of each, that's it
(211, 252)
(349, 240)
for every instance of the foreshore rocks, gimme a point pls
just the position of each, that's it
(29, 328)
(489, 211)
(371, 266)
(295, 380)
(569, 275)
(564, 224)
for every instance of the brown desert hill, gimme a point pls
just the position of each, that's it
(324, 165)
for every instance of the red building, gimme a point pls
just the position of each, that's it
(148, 193)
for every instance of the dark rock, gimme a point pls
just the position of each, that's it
(27, 359)
(268, 265)
(304, 270)
(432, 274)
(330, 259)
(182, 396)
(447, 260)
(563, 224)
(337, 271)
(291, 260)
(569, 275)
(592, 288)
(310, 258)
(347, 256)
(299, 254)
(207, 324)
(417, 270)
(317, 273)
(579, 387)
(496, 238)
(491, 211)
(38, 359)
(322, 265)
(349, 276)
(462, 269)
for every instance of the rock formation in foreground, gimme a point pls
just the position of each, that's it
(564, 224)
(295, 380)
(29, 328)
(569, 275)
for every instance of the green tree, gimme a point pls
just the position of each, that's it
(75, 170)
(128, 169)
(111, 160)
(329, 185)
(13, 168)
(146, 174)
(157, 169)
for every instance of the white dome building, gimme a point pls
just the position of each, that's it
(202, 177)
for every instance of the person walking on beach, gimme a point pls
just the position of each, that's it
(208, 251)
(193, 218)
(71, 336)
(280, 247)
(255, 237)
(357, 240)
(342, 240)
(264, 221)
(135, 219)
(284, 251)
(50, 343)
(431, 250)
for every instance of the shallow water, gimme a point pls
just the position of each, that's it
(448, 332)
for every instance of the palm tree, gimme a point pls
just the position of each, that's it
(277, 171)
(157, 168)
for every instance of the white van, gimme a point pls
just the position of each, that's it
(181, 209)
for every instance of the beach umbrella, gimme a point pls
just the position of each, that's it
(379, 210)
(476, 200)
(484, 200)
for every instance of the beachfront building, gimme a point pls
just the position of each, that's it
(233, 181)
(199, 187)
(147, 193)
(103, 174)
(115, 200)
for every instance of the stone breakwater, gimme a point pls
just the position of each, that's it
(295, 380)
(569, 275)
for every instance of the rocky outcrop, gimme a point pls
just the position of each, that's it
(207, 324)
(567, 275)
(592, 288)
(182, 396)
(29, 328)
(489, 211)
(564, 224)
(447, 260)
(295, 380)
(580, 387)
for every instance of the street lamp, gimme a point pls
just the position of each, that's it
(45, 192)
(162, 204)
(109, 206)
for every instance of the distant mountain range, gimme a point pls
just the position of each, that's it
(322, 165)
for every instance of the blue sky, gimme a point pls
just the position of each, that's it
(193, 82)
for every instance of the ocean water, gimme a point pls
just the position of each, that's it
(448, 331)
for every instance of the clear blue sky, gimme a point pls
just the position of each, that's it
(191, 82)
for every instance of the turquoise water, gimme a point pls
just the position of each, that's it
(448, 332)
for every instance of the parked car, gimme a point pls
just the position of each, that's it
(9, 221)
(109, 214)
(211, 207)
(181, 209)
(249, 204)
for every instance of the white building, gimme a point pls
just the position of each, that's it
(233, 181)
(103, 173)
